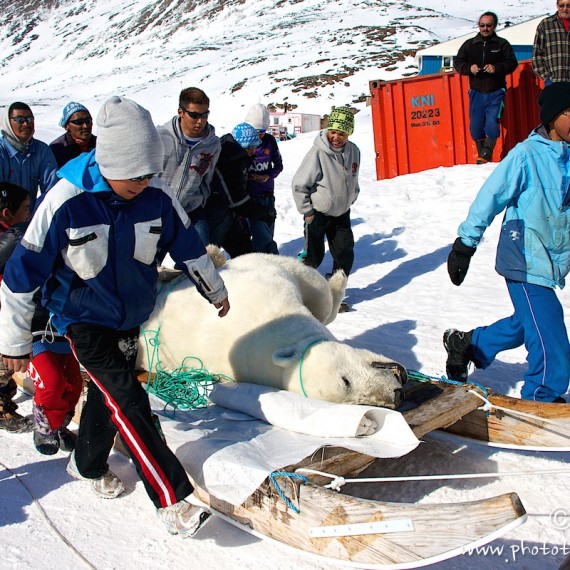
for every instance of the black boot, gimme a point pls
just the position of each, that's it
(459, 354)
(486, 153)
(479, 143)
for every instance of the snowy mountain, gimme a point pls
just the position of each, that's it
(310, 53)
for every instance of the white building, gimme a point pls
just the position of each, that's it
(284, 125)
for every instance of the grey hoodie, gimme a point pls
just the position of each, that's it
(188, 170)
(327, 180)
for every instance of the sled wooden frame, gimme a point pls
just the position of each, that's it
(517, 424)
(413, 538)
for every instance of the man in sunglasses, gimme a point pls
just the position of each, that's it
(191, 150)
(78, 123)
(487, 59)
(24, 160)
(551, 51)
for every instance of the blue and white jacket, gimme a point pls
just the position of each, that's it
(532, 184)
(95, 255)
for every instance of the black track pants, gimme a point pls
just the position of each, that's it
(116, 401)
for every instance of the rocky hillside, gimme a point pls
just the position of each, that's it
(302, 51)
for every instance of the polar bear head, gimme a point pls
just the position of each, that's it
(336, 372)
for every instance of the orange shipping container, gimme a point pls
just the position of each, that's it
(423, 122)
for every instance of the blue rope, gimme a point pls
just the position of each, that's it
(421, 377)
(303, 358)
(273, 479)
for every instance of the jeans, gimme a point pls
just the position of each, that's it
(484, 113)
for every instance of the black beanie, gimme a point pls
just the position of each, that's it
(554, 99)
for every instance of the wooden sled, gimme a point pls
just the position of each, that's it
(367, 533)
(517, 424)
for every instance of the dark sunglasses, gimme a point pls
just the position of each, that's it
(196, 116)
(87, 121)
(22, 120)
(141, 178)
(486, 25)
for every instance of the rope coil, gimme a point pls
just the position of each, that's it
(185, 388)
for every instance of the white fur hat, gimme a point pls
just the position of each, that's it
(128, 144)
(258, 117)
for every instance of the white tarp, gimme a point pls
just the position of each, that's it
(230, 453)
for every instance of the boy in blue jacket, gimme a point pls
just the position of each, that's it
(92, 246)
(532, 185)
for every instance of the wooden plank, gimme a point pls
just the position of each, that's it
(507, 429)
(444, 410)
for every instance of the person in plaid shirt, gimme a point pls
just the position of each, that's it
(551, 51)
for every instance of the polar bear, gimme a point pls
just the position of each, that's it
(275, 333)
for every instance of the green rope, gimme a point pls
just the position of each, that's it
(186, 387)
(303, 358)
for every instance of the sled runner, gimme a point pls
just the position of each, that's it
(498, 421)
(517, 424)
(371, 534)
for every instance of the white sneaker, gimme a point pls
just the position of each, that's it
(109, 486)
(183, 518)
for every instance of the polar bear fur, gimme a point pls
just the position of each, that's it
(279, 308)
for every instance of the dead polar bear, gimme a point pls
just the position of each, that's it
(279, 309)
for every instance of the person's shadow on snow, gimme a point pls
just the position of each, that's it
(24, 485)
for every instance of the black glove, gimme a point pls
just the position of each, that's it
(458, 261)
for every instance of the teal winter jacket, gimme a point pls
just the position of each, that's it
(532, 185)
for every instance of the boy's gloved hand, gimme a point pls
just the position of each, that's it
(458, 261)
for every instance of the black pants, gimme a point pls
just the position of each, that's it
(339, 236)
(117, 401)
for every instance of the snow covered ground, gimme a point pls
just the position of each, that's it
(402, 301)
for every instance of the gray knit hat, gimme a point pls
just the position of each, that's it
(258, 117)
(128, 144)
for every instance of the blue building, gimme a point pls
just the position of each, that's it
(439, 57)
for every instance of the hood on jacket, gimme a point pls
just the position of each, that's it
(540, 136)
(8, 132)
(84, 173)
(322, 142)
(231, 149)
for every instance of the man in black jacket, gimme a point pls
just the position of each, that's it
(487, 59)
